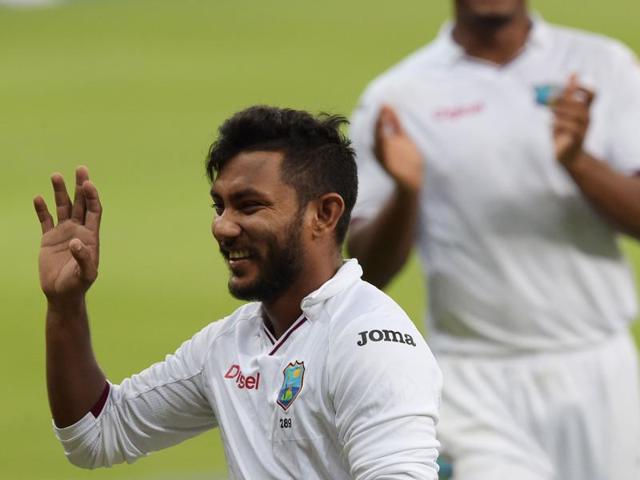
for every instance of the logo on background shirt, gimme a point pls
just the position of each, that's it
(548, 93)
(291, 385)
(454, 113)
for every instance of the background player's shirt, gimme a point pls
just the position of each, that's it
(351, 390)
(515, 257)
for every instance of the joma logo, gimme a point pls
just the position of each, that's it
(385, 336)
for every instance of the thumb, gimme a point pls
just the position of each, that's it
(82, 255)
(390, 121)
(572, 85)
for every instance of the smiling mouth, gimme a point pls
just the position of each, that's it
(238, 254)
(236, 258)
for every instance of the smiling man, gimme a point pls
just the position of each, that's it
(321, 377)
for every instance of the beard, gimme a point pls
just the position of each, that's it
(485, 17)
(280, 269)
(491, 22)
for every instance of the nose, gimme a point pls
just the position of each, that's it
(224, 228)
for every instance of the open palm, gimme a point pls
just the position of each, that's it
(69, 251)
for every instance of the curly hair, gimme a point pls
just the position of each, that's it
(317, 157)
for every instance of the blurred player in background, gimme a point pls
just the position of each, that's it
(507, 151)
(323, 377)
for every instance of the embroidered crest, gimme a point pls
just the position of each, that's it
(292, 384)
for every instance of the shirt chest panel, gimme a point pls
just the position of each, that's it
(488, 149)
(274, 397)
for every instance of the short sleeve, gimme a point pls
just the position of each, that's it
(386, 389)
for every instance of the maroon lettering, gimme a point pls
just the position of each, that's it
(249, 382)
(232, 372)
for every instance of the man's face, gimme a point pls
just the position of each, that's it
(258, 226)
(489, 10)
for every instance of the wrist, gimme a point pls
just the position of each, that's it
(409, 188)
(575, 161)
(64, 307)
(407, 194)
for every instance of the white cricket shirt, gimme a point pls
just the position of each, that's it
(351, 390)
(515, 257)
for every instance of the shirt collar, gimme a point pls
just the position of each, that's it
(451, 52)
(348, 274)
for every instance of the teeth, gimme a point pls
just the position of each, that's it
(237, 254)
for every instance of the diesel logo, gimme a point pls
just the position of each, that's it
(249, 382)
(385, 336)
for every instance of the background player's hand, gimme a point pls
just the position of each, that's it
(69, 251)
(571, 120)
(396, 152)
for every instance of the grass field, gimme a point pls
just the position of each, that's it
(135, 90)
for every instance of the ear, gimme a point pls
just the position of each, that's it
(328, 209)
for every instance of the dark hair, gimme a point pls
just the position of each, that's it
(318, 158)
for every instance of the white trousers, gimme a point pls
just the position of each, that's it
(544, 416)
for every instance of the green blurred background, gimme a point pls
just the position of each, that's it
(135, 90)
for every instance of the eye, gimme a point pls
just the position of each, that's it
(249, 208)
(219, 208)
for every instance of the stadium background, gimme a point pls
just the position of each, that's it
(135, 90)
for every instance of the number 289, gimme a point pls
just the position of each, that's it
(285, 423)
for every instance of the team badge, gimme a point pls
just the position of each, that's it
(292, 384)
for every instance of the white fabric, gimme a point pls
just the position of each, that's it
(515, 257)
(577, 415)
(364, 411)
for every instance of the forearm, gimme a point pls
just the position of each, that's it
(161, 406)
(74, 379)
(383, 244)
(615, 196)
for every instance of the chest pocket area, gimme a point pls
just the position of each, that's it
(296, 408)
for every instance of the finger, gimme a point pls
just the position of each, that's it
(88, 270)
(576, 91)
(390, 122)
(94, 207)
(573, 113)
(46, 221)
(63, 202)
(584, 95)
(79, 203)
(564, 126)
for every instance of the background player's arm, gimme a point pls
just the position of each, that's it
(383, 243)
(68, 265)
(615, 195)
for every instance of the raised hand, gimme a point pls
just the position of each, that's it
(69, 251)
(397, 153)
(571, 120)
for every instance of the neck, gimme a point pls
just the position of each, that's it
(284, 310)
(495, 41)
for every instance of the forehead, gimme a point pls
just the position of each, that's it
(258, 170)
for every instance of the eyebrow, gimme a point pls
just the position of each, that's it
(235, 196)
